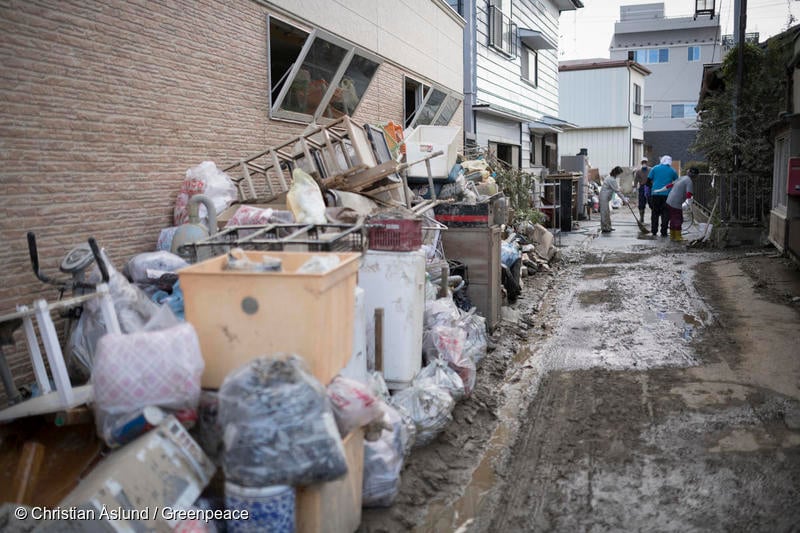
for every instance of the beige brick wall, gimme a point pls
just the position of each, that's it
(106, 104)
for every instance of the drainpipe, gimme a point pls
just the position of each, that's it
(630, 124)
(470, 66)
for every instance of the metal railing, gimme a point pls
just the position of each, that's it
(741, 198)
(502, 32)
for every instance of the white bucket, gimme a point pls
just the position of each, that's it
(269, 508)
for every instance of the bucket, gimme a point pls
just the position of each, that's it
(269, 508)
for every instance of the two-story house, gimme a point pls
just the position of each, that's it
(674, 49)
(603, 98)
(511, 78)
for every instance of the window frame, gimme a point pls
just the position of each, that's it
(494, 41)
(691, 55)
(441, 107)
(351, 50)
(683, 114)
(525, 66)
(421, 92)
(637, 99)
(642, 55)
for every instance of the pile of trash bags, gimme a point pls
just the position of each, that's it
(454, 343)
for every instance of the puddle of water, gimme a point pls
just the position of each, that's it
(599, 272)
(522, 355)
(458, 515)
(443, 516)
(594, 297)
(684, 321)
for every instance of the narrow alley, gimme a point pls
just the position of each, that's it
(658, 389)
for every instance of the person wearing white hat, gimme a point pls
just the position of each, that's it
(660, 176)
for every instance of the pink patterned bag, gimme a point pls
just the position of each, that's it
(147, 368)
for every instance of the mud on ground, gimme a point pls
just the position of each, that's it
(437, 473)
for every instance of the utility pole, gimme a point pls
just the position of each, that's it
(740, 23)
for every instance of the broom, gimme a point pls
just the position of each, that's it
(642, 227)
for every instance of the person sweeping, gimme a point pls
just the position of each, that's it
(609, 187)
(661, 175)
(680, 194)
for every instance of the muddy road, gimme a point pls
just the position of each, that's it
(644, 386)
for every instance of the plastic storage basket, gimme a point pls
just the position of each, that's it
(401, 235)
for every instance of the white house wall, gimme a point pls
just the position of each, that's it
(595, 98)
(499, 79)
(608, 147)
(496, 129)
(637, 121)
(418, 34)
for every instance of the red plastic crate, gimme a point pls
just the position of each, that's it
(389, 235)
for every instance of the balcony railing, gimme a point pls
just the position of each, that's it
(502, 32)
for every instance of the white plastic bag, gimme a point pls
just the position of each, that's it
(383, 460)
(476, 341)
(448, 343)
(438, 374)
(430, 409)
(152, 265)
(147, 368)
(134, 310)
(206, 179)
(442, 311)
(305, 199)
(247, 215)
(319, 264)
(353, 404)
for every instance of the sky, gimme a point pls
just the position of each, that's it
(586, 32)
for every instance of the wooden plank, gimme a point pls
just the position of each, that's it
(379, 339)
(276, 164)
(365, 178)
(27, 473)
(334, 507)
(248, 181)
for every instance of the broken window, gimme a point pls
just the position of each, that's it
(315, 75)
(415, 93)
(426, 105)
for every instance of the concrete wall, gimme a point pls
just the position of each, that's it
(106, 104)
(677, 81)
